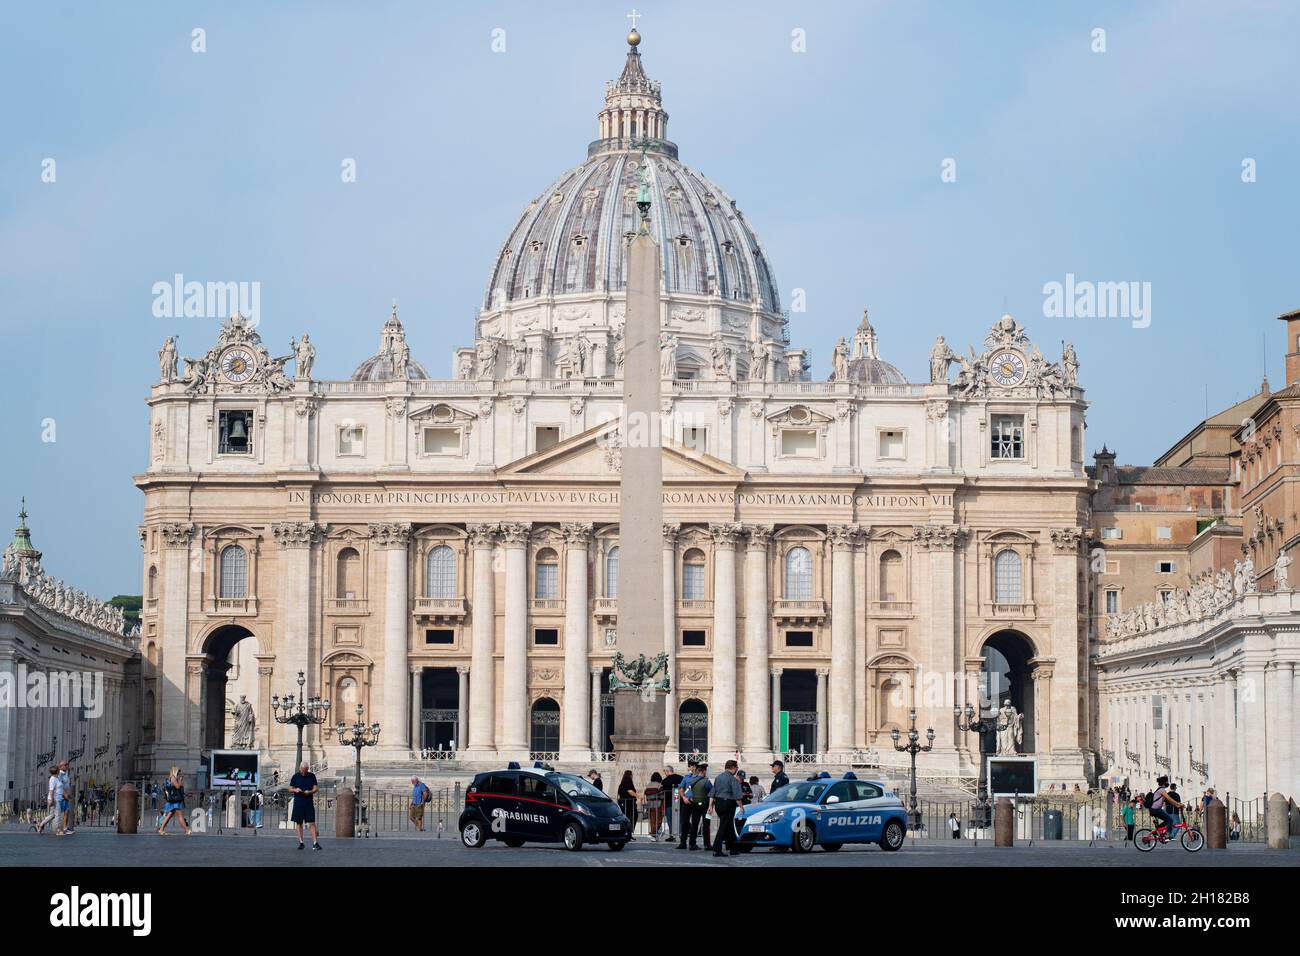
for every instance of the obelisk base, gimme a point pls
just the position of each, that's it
(639, 739)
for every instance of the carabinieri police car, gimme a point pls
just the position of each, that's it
(540, 805)
(825, 812)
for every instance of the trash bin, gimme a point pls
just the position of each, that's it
(1053, 825)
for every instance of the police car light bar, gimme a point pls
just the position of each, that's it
(513, 765)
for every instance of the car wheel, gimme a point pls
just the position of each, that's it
(831, 847)
(473, 835)
(892, 837)
(572, 836)
(805, 838)
(513, 842)
(617, 844)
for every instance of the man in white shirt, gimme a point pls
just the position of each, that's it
(54, 803)
(69, 821)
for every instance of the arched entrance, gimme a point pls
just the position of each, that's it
(693, 726)
(545, 738)
(221, 659)
(1008, 675)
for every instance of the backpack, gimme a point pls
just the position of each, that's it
(172, 793)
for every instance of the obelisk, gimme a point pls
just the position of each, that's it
(639, 739)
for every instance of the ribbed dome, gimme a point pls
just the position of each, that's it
(382, 366)
(573, 238)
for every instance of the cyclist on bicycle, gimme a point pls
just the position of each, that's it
(1166, 806)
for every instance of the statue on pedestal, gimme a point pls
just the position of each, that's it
(245, 725)
(167, 361)
(304, 355)
(1010, 730)
(1281, 572)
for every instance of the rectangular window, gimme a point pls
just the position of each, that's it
(798, 638)
(697, 439)
(1008, 436)
(441, 441)
(546, 637)
(1112, 602)
(235, 433)
(1111, 534)
(548, 581)
(1157, 713)
(693, 582)
(799, 442)
(546, 436)
(693, 639)
(350, 440)
(891, 444)
(439, 636)
(1166, 567)
(1164, 534)
(1112, 567)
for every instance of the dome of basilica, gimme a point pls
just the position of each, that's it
(571, 241)
(393, 354)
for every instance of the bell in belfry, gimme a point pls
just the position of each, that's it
(237, 430)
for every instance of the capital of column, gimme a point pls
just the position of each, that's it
(176, 534)
(724, 535)
(823, 672)
(597, 670)
(844, 537)
(776, 671)
(1066, 540)
(462, 669)
(393, 534)
(670, 535)
(483, 535)
(938, 537)
(576, 535)
(296, 534)
(760, 536)
(515, 534)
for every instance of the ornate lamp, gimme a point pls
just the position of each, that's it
(302, 712)
(912, 748)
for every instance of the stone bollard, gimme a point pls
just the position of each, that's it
(345, 812)
(1279, 835)
(1216, 825)
(1004, 823)
(128, 809)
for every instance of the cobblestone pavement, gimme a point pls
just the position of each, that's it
(103, 847)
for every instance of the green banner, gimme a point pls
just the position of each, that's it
(783, 745)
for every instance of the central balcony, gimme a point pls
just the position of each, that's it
(435, 610)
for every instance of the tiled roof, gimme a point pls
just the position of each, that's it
(1151, 475)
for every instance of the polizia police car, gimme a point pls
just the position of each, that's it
(539, 805)
(825, 812)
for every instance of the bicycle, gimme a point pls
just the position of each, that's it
(1191, 838)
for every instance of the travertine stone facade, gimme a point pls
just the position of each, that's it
(836, 549)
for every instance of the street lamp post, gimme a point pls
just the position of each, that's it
(358, 736)
(912, 748)
(972, 722)
(301, 713)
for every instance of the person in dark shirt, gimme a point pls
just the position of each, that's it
(303, 786)
(779, 779)
(672, 780)
(596, 782)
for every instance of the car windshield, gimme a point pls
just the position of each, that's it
(806, 791)
(576, 787)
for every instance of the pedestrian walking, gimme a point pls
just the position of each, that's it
(671, 782)
(255, 804)
(1128, 815)
(955, 826)
(174, 802)
(53, 802)
(304, 787)
(726, 797)
(65, 805)
(627, 800)
(654, 804)
(420, 795)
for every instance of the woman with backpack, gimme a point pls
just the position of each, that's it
(174, 795)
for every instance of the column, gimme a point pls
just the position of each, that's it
(822, 674)
(670, 633)
(722, 719)
(394, 540)
(1062, 602)
(482, 712)
(462, 707)
(1227, 736)
(1282, 772)
(171, 733)
(597, 738)
(415, 707)
(840, 739)
(294, 541)
(575, 729)
(514, 689)
(1254, 767)
(757, 739)
(776, 708)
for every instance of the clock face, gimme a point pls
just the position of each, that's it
(238, 364)
(1007, 368)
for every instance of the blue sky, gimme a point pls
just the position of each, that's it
(1115, 166)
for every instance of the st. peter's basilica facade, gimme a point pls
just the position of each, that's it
(444, 552)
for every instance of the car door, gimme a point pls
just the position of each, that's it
(538, 812)
(836, 824)
(868, 808)
(499, 796)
